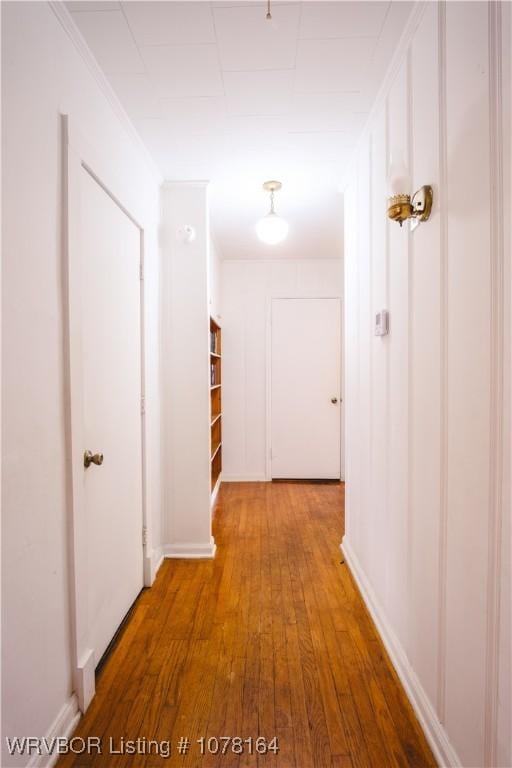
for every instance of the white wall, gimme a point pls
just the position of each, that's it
(247, 287)
(186, 370)
(214, 284)
(426, 507)
(44, 74)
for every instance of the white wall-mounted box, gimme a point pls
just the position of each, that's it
(381, 323)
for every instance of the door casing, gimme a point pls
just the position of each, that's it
(78, 158)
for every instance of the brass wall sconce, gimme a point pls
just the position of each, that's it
(401, 207)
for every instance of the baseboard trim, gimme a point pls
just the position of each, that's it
(190, 551)
(157, 560)
(152, 563)
(85, 679)
(244, 478)
(63, 726)
(435, 734)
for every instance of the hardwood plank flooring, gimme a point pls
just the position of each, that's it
(269, 639)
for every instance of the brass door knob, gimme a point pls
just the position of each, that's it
(334, 400)
(92, 458)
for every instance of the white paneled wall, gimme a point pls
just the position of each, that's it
(247, 287)
(427, 407)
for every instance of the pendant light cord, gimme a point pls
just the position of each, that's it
(272, 202)
(269, 15)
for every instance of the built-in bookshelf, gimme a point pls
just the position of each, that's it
(215, 407)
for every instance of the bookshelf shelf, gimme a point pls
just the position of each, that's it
(216, 449)
(215, 408)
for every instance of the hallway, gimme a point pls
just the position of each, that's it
(269, 639)
(253, 250)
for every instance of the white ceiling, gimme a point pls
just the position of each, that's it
(218, 92)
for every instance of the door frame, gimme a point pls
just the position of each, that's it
(268, 376)
(79, 157)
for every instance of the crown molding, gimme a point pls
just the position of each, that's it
(66, 21)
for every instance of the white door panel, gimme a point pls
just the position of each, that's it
(110, 262)
(305, 378)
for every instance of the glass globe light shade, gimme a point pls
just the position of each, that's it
(272, 229)
(398, 181)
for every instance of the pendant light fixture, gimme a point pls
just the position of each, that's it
(272, 229)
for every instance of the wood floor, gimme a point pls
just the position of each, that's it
(269, 639)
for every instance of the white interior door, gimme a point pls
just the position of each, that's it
(110, 296)
(306, 388)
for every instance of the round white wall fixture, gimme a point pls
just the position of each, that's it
(186, 234)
